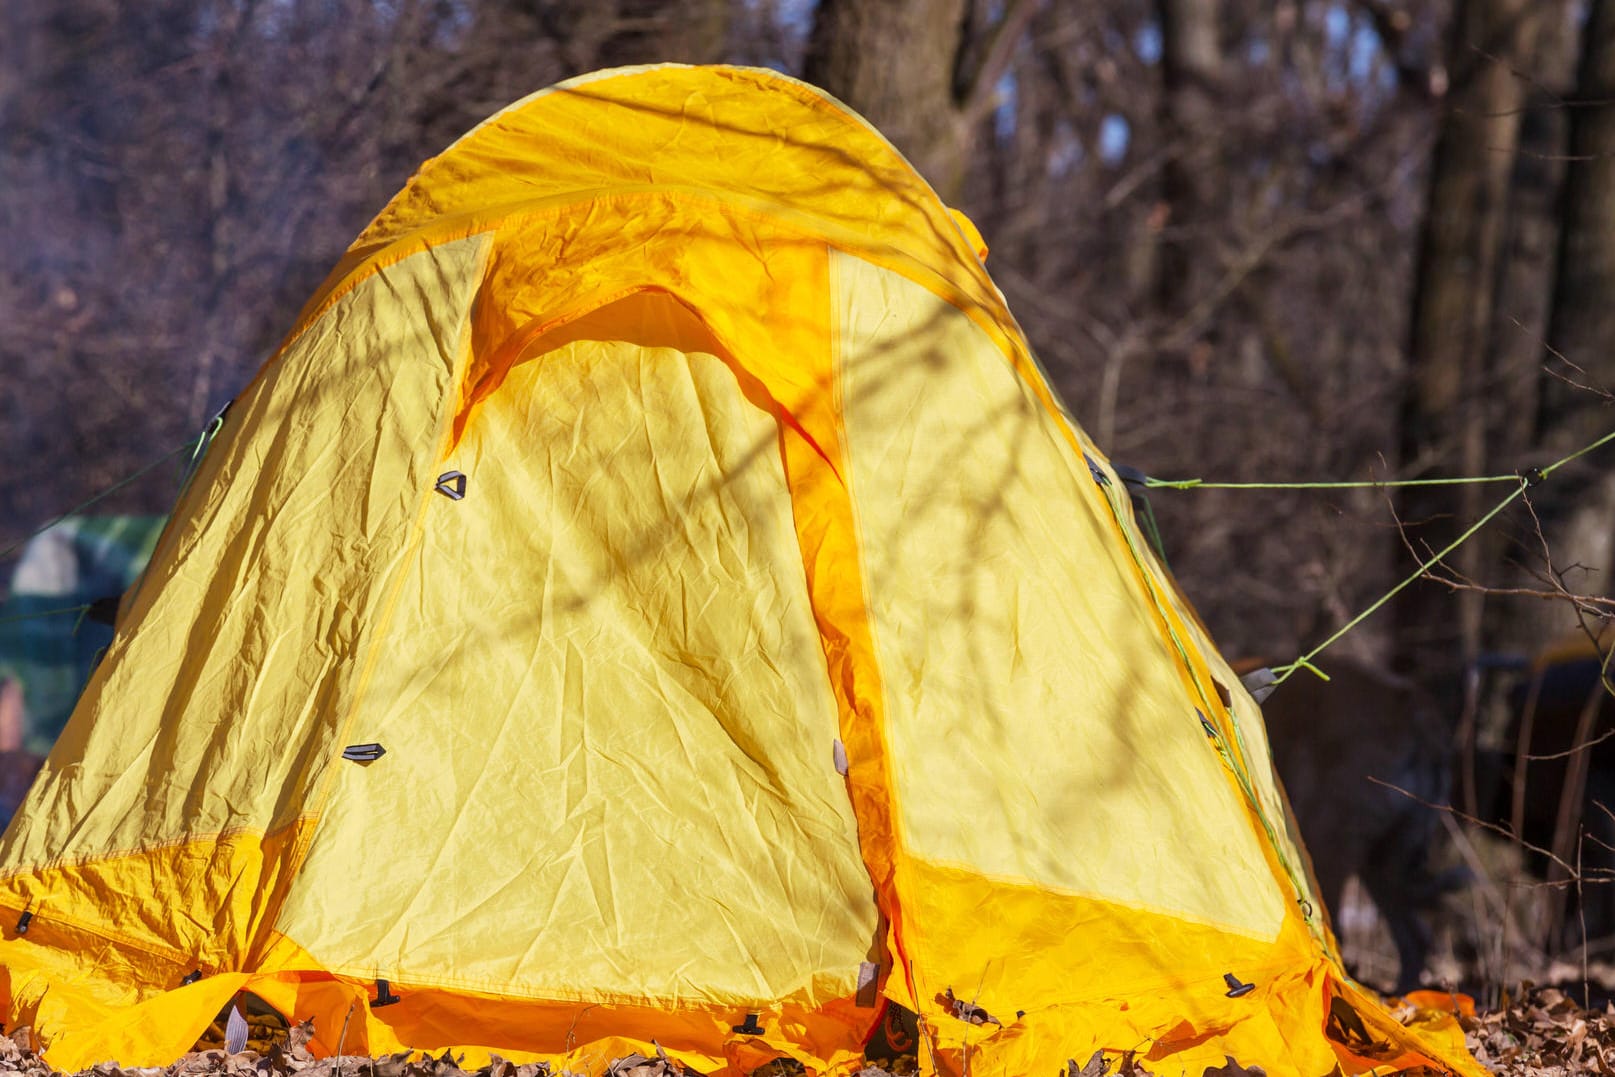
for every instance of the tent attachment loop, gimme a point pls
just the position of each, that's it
(1260, 683)
(1096, 471)
(750, 1027)
(451, 484)
(363, 753)
(103, 610)
(967, 1011)
(1205, 723)
(384, 995)
(194, 976)
(1235, 988)
(1130, 476)
(868, 986)
(24, 920)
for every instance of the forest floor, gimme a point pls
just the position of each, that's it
(1543, 1033)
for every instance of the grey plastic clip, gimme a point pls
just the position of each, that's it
(1235, 988)
(363, 753)
(384, 995)
(451, 484)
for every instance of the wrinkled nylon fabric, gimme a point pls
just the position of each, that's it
(1026, 683)
(634, 503)
(755, 460)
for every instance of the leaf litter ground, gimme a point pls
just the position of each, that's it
(1543, 1033)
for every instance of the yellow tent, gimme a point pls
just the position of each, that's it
(653, 597)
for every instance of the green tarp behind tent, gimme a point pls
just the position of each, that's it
(69, 565)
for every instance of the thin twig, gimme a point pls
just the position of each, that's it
(342, 1040)
(1496, 828)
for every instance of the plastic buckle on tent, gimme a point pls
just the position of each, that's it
(194, 976)
(751, 1027)
(363, 753)
(384, 995)
(1235, 988)
(24, 920)
(451, 484)
(1205, 723)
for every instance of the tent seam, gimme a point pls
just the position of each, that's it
(894, 826)
(110, 934)
(216, 837)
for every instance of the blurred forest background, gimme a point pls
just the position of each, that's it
(1254, 240)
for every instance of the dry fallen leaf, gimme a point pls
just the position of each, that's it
(641, 1066)
(1131, 1067)
(1544, 1033)
(1096, 1066)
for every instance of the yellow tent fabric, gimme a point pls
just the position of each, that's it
(653, 597)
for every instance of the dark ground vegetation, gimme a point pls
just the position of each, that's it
(1542, 1033)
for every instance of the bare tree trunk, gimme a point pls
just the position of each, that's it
(649, 31)
(1520, 322)
(1526, 276)
(895, 62)
(1578, 506)
(1191, 74)
(1444, 417)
